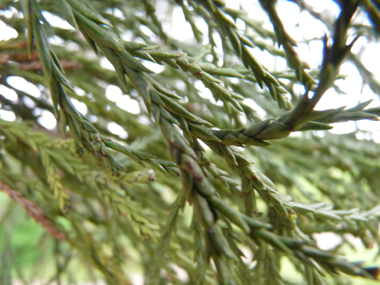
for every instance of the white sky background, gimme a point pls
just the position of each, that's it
(300, 25)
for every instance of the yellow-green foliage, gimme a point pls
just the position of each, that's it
(182, 188)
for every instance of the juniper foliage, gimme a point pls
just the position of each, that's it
(159, 199)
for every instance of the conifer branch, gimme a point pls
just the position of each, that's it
(235, 206)
(33, 210)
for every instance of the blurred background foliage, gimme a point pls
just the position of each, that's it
(146, 157)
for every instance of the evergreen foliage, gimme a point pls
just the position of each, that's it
(160, 199)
